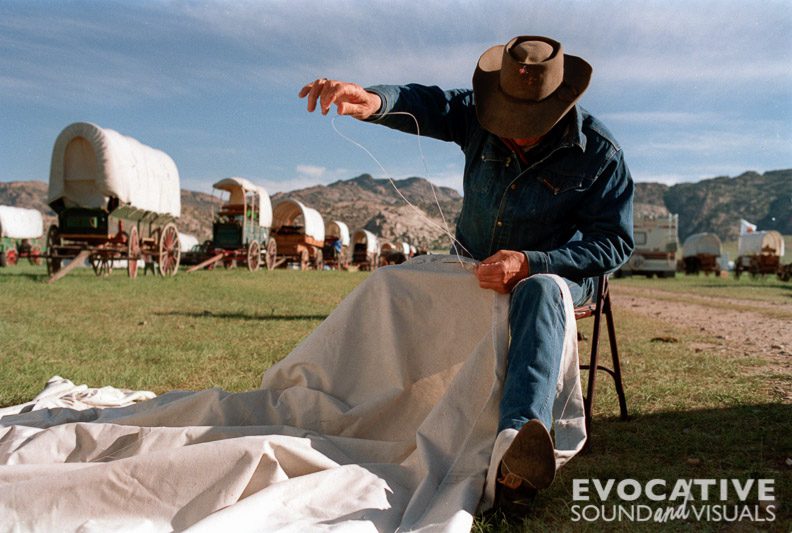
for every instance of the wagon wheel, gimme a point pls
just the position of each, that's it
(304, 258)
(169, 250)
(271, 254)
(254, 256)
(319, 260)
(11, 257)
(133, 252)
(53, 243)
(101, 264)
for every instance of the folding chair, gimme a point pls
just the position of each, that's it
(601, 306)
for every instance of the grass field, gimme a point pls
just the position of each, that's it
(695, 414)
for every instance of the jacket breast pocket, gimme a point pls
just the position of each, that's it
(487, 171)
(561, 196)
(559, 183)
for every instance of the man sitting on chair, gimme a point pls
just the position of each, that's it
(546, 190)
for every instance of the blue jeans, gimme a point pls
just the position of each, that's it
(536, 324)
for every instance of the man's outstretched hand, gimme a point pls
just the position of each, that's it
(502, 271)
(350, 98)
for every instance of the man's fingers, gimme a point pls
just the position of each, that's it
(329, 95)
(491, 285)
(312, 91)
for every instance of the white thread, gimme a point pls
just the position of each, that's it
(455, 243)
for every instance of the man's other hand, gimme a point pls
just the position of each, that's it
(502, 271)
(350, 98)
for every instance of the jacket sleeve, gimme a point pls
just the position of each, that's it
(606, 224)
(443, 115)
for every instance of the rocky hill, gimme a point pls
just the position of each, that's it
(717, 204)
(714, 205)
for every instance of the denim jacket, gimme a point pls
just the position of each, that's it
(570, 211)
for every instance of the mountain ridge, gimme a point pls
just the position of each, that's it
(710, 205)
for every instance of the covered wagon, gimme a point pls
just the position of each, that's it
(365, 250)
(759, 253)
(701, 252)
(241, 227)
(20, 231)
(394, 254)
(116, 200)
(300, 233)
(336, 246)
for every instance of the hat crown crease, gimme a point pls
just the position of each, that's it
(532, 69)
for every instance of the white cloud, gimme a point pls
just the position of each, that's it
(311, 171)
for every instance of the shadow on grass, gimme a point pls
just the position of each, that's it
(735, 442)
(5, 273)
(240, 316)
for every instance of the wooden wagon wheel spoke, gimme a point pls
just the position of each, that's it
(304, 258)
(319, 259)
(133, 252)
(53, 244)
(253, 256)
(271, 254)
(169, 250)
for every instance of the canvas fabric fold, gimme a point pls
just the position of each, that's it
(383, 419)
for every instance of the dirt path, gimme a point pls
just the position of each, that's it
(736, 332)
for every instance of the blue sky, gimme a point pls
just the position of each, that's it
(691, 89)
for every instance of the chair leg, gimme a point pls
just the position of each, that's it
(617, 376)
(588, 401)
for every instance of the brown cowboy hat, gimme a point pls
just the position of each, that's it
(524, 88)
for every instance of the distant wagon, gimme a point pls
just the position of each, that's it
(20, 232)
(336, 246)
(241, 228)
(394, 254)
(365, 250)
(300, 233)
(116, 200)
(192, 250)
(759, 253)
(701, 252)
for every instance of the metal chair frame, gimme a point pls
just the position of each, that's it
(601, 306)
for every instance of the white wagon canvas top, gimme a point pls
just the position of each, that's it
(237, 187)
(753, 242)
(91, 164)
(20, 223)
(338, 229)
(187, 241)
(702, 243)
(287, 211)
(365, 236)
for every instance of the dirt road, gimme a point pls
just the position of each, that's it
(736, 326)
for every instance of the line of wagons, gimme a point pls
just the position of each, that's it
(117, 203)
(247, 230)
(759, 253)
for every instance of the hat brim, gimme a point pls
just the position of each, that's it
(514, 118)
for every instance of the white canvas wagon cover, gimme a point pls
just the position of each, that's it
(237, 187)
(701, 243)
(338, 229)
(364, 236)
(187, 241)
(20, 223)
(91, 164)
(754, 242)
(286, 212)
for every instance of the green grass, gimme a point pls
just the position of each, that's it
(694, 414)
(206, 329)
